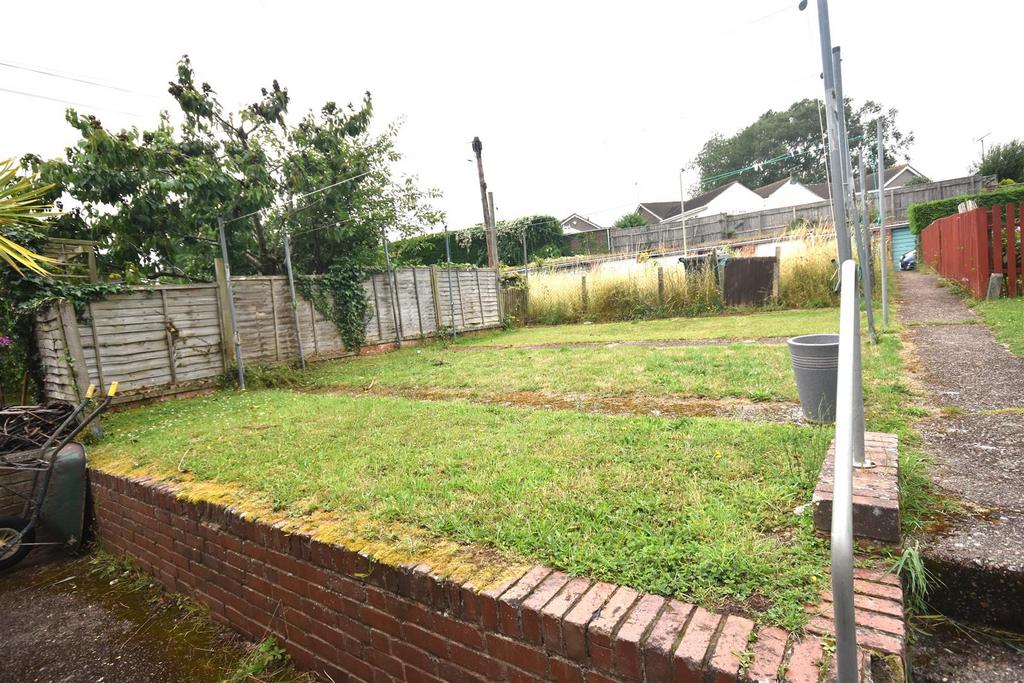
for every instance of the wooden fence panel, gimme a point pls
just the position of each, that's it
(166, 339)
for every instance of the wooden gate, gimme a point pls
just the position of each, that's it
(749, 281)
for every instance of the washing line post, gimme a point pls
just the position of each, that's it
(451, 300)
(882, 230)
(231, 304)
(291, 293)
(838, 205)
(393, 298)
(682, 210)
(846, 165)
(867, 273)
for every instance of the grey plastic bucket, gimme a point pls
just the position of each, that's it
(816, 366)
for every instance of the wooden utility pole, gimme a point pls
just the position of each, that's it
(492, 250)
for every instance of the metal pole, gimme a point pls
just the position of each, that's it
(882, 230)
(291, 292)
(231, 304)
(844, 144)
(451, 300)
(682, 210)
(526, 263)
(866, 271)
(838, 205)
(842, 493)
(393, 298)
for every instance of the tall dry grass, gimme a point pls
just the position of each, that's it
(807, 280)
(560, 297)
(807, 277)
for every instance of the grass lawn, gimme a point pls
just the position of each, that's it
(1006, 318)
(751, 371)
(697, 508)
(739, 326)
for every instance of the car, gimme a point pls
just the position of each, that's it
(909, 260)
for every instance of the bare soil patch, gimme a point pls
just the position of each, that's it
(629, 404)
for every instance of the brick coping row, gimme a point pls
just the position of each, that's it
(348, 617)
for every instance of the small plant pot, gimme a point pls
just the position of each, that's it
(815, 360)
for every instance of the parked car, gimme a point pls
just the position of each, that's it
(909, 260)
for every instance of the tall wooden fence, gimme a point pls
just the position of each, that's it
(173, 338)
(969, 247)
(721, 228)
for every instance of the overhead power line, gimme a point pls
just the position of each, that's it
(60, 100)
(86, 81)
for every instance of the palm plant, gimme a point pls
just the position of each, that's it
(22, 209)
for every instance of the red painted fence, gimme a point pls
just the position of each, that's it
(969, 247)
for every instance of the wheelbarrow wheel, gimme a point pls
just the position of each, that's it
(13, 546)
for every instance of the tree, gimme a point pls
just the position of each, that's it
(784, 143)
(152, 197)
(630, 220)
(1005, 161)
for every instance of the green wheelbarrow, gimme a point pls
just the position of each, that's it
(54, 504)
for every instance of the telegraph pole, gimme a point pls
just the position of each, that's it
(492, 251)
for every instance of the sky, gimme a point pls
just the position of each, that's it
(585, 107)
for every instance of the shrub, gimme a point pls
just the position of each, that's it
(920, 216)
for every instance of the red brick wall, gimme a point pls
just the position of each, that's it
(348, 618)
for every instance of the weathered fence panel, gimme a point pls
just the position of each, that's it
(722, 228)
(172, 338)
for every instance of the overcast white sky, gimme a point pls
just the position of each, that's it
(582, 106)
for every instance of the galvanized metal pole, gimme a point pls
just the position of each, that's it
(682, 210)
(231, 304)
(867, 272)
(526, 262)
(291, 292)
(838, 205)
(393, 286)
(451, 300)
(844, 142)
(842, 492)
(882, 230)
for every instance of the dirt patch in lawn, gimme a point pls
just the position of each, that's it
(611, 345)
(628, 404)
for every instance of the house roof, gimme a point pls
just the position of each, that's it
(766, 190)
(890, 174)
(591, 225)
(665, 210)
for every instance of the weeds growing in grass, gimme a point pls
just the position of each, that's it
(265, 656)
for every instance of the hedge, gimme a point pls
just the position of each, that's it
(920, 216)
(543, 239)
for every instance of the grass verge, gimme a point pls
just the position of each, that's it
(1006, 318)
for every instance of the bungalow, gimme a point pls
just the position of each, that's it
(732, 197)
(575, 223)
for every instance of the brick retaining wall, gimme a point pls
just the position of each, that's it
(348, 618)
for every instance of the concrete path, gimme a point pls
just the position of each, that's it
(977, 448)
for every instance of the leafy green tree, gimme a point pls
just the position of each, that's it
(152, 197)
(1005, 161)
(630, 220)
(784, 143)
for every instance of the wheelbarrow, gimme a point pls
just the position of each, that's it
(55, 502)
